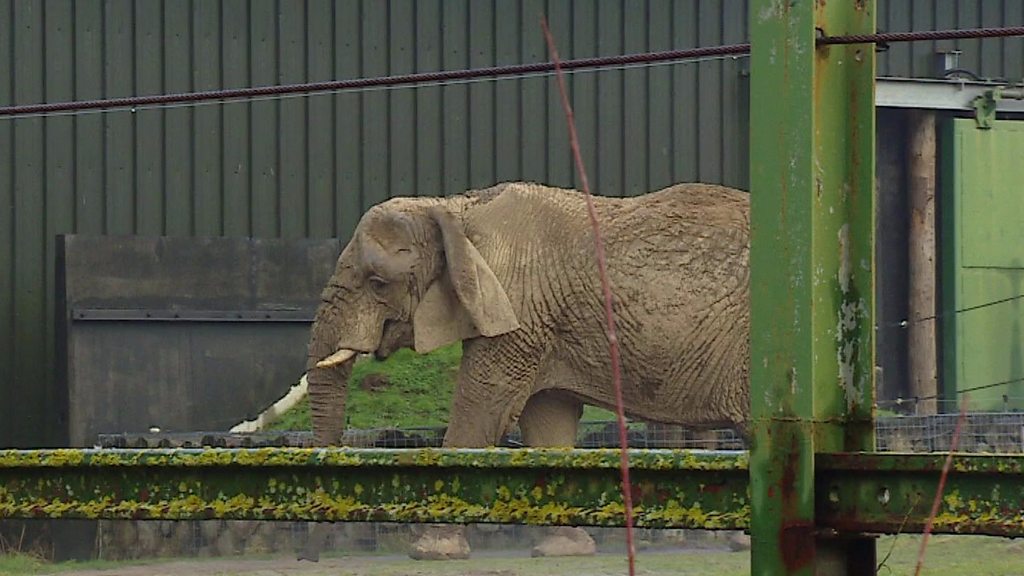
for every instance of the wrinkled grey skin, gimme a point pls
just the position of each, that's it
(510, 271)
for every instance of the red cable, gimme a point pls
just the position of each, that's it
(613, 341)
(942, 484)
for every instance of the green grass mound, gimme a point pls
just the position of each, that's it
(407, 390)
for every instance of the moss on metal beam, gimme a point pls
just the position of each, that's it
(672, 488)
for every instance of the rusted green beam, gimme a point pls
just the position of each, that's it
(890, 493)
(672, 488)
(811, 259)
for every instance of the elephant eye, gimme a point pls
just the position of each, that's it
(377, 283)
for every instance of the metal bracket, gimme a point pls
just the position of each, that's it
(985, 108)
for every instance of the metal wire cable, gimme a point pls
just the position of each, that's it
(367, 89)
(885, 37)
(907, 322)
(487, 72)
(396, 80)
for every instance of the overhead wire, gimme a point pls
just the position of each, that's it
(22, 110)
(361, 90)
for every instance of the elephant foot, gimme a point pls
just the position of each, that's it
(566, 541)
(441, 543)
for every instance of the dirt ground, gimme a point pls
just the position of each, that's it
(400, 565)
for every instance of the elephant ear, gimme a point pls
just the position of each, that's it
(466, 300)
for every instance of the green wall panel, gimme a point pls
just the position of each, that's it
(309, 166)
(983, 255)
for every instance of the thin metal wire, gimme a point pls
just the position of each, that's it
(396, 80)
(368, 89)
(488, 72)
(907, 322)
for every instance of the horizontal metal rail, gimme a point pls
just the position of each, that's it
(891, 493)
(672, 488)
(865, 492)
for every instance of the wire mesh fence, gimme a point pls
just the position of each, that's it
(992, 432)
(987, 432)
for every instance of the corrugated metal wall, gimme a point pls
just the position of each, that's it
(309, 166)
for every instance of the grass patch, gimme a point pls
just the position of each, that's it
(419, 393)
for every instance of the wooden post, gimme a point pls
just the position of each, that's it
(921, 338)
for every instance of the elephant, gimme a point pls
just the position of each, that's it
(510, 272)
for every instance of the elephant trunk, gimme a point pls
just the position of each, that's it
(327, 377)
(327, 394)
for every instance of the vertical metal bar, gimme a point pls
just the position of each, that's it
(812, 260)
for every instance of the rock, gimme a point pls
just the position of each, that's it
(566, 541)
(441, 543)
(739, 542)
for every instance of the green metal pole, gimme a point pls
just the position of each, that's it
(812, 261)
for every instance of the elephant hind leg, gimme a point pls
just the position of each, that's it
(550, 419)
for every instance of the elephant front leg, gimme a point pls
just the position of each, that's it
(494, 382)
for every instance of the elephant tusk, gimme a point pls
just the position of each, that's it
(339, 357)
(295, 394)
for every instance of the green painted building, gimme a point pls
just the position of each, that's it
(308, 166)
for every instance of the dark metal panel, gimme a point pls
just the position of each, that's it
(735, 105)
(402, 139)
(320, 120)
(533, 109)
(207, 185)
(635, 138)
(659, 102)
(709, 94)
(33, 395)
(968, 15)
(237, 164)
(149, 125)
(347, 124)
(178, 62)
(899, 53)
(59, 179)
(560, 162)
(428, 53)
(118, 141)
(292, 192)
(922, 53)
(455, 124)
(90, 187)
(178, 376)
(154, 338)
(584, 91)
(374, 111)
(507, 121)
(1013, 48)
(991, 52)
(481, 95)
(9, 415)
(609, 169)
(685, 83)
(891, 253)
(263, 130)
(945, 19)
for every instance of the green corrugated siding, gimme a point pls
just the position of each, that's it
(984, 263)
(309, 166)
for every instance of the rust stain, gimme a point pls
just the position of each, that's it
(796, 535)
(796, 542)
